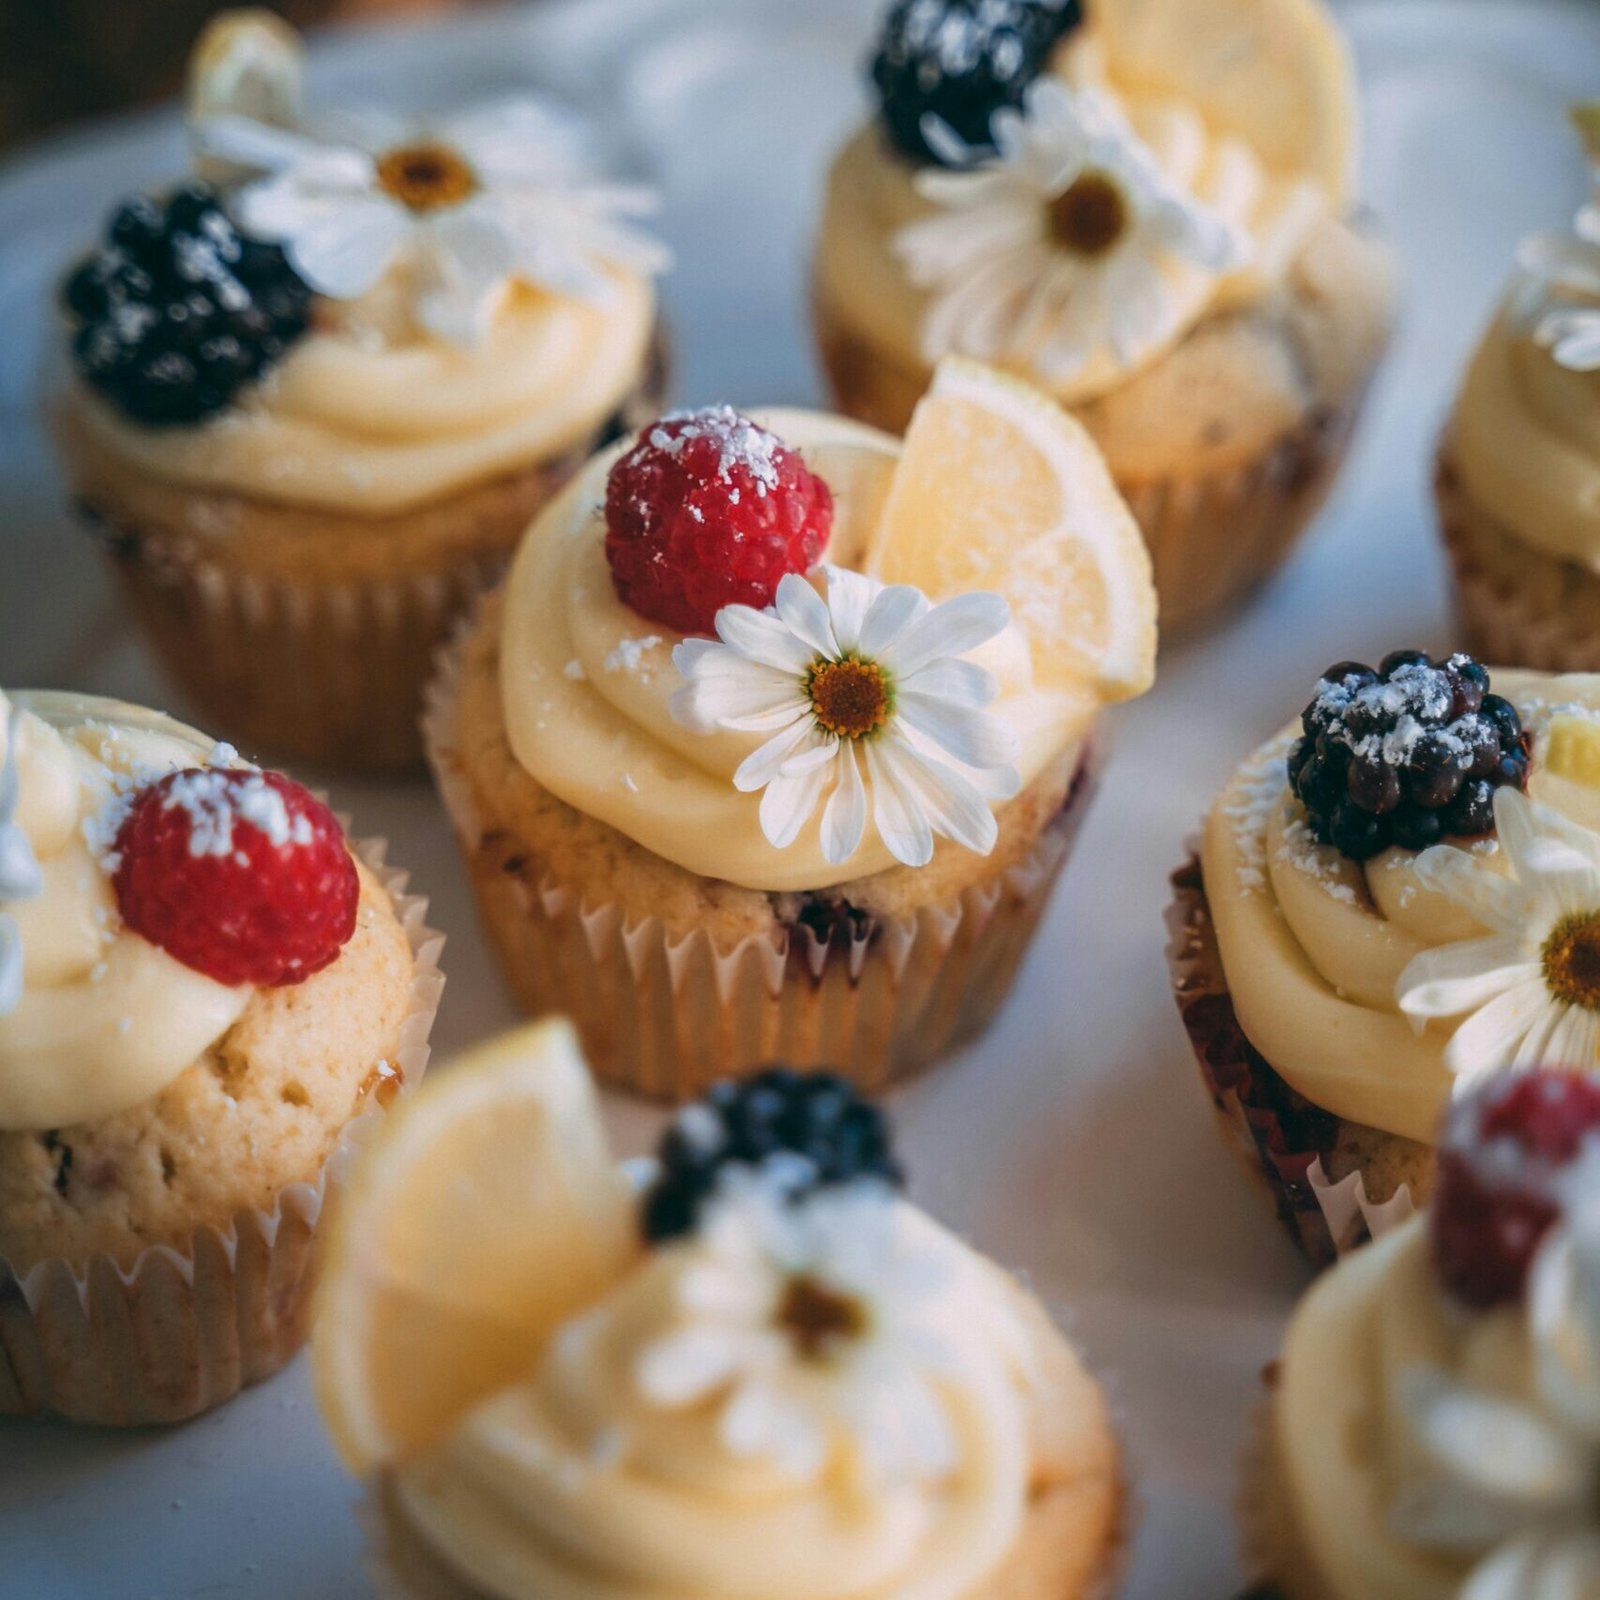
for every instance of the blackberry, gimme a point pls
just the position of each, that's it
(961, 61)
(176, 312)
(1405, 754)
(812, 1130)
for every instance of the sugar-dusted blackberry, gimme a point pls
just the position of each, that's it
(177, 312)
(810, 1130)
(960, 61)
(1405, 754)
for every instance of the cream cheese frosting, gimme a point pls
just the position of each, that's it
(371, 415)
(1525, 442)
(105, 1019)
(1313, 944)
(594, 1480)
(873, 199)
(586, 683)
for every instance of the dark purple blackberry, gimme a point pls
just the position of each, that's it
(961, 61)
(812, 1130)
(1405, 754)
(177, 312)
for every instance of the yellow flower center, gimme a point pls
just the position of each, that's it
(850, 699)
(819, 1319)
(1572, 960)
(426, 176)
(1090, 217)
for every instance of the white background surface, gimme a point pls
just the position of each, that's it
(1074, 1142)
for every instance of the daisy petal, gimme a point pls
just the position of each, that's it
(954, 679)
(686, 1366)
(972, 737)
(1455, 978)
(850, 596)
(762, 637)
(950, 629)
(1457, 874)
(948, 800)
(892, 611)
(249, 143)
(806, 614)
(1489, 1040)
(761, 766)
(345, 253)
(788, 803)
(844, 818)
(899, 821)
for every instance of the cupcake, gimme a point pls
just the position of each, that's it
(1434, 1428)
(205, 992)
(765, 1374)
(1144, 207)
(1399, 894)
(1518, 472)
(315, 398)
(776, 737)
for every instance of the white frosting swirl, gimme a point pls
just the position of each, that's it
(579, 1485)
(105, 1019)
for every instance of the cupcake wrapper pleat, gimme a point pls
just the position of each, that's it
(1279, 1137)
(667, 1017)
(179, 1331)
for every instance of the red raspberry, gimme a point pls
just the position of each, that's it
(708, 510)
(1498, 1188)
(242, 875)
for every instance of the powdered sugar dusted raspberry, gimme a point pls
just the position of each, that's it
(739, 443)
(1508, 1159)
(242, 875)
(708, 510)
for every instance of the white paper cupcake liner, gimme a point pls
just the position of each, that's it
(666, 1017)
(177, 1332)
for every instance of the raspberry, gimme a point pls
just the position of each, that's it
(1498, 1189)
(242, 875)
(1405, 755)
(708, 510)
(815, 1124)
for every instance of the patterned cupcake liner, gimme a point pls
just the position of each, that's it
(1519, 606)
(1213, 537)
(319, 670)
(1279, 1135)
(666, 1017)
(178, 1331)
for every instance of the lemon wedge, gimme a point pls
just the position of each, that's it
(486, 1211)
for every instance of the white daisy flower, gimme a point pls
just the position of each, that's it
(805, 1323)
(1052, 252)
(20, 878)
(870, 678)
(1511, 1477)
(495, 194)
(1530, 990)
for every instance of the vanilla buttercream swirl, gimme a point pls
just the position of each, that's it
(105, 1019)
(371, 415)
(19, 867)
(579, 1485)
(586, 684)
(1313, 943)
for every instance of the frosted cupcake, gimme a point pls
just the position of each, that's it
(768, 1375)
(315, 400)
(1142, 206)
(1434, 1432)
(1399, 895)
(203, 989)
(776, 737)
(1518, 474)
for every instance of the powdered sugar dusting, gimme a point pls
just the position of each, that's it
(740, 443)
(216, 801)
(1261, 787)
(949, 41)
(1299, 848)
(1412, 704)
(629, 653)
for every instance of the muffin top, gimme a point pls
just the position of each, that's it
(1067, 190)
(1436, 1430)
(1405, 886)
(351, 312)
(781, 1379)
(1525, 435)
(901, 641)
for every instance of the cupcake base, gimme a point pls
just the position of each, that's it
(177, 1332)
(1333, 1183)
(1518, 605)
(665, 1011)
(1213, 536)
(307, 635)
